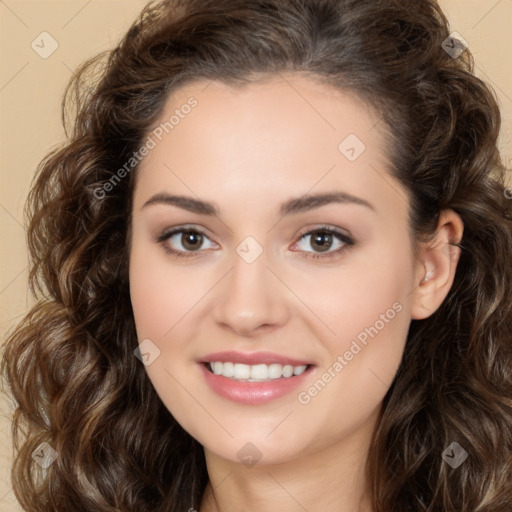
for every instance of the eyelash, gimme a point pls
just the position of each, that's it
(347, 241)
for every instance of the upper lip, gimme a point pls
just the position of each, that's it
(252, 358)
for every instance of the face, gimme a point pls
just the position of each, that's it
(234, 262)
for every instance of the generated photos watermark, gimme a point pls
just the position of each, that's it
(151, 141)
(305, 397)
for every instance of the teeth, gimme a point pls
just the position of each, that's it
(228, 369)
(242, 371)
(288, 370)
(275, 371)
(256, 372)
(259, 371)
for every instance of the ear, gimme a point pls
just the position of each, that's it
(436, 265)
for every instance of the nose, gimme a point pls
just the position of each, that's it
(251, 299)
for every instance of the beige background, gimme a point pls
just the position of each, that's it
(31, 88)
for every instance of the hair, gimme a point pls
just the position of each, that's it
(70, 363)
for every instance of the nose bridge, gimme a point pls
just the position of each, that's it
(249, 296)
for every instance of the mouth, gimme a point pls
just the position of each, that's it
(255, 372)
(255, 378)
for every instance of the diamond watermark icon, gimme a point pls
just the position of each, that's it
(351, 147)
(249, 249)
(249, 455)
(454, 455)
(44, 455)
(44, 45)
(147, 352)
(454, 45)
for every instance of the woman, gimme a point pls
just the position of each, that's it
(274, 260)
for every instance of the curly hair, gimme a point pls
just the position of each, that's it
(70, 363)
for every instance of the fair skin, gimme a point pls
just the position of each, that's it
(248, 150)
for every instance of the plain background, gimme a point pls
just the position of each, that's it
(31, 89)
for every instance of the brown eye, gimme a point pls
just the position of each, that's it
(322, 241)
(325, 242)
(184, 241)
(191, 240)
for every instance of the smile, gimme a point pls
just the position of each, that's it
(270, 382)
(256, 372)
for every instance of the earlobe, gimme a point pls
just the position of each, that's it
(437, 265)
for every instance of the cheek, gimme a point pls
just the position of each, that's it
(369, 312)
(161, 297)
(365, 297)
(161, 293)
(367, 307)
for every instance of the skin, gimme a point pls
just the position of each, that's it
(248, 150)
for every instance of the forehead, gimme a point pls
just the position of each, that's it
(287, 134)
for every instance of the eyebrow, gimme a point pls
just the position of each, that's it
(290, 207)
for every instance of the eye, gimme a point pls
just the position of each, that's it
(187, 240)
(323, 239)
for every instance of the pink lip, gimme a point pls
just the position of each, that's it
(252, 358)
(253, 393)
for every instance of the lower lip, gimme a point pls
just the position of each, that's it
(253, 393)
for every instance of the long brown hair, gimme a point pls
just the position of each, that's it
(70, 362)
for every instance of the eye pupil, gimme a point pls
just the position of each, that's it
(190, 239)
(323, 240)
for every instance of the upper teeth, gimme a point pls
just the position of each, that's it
(256, 372)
